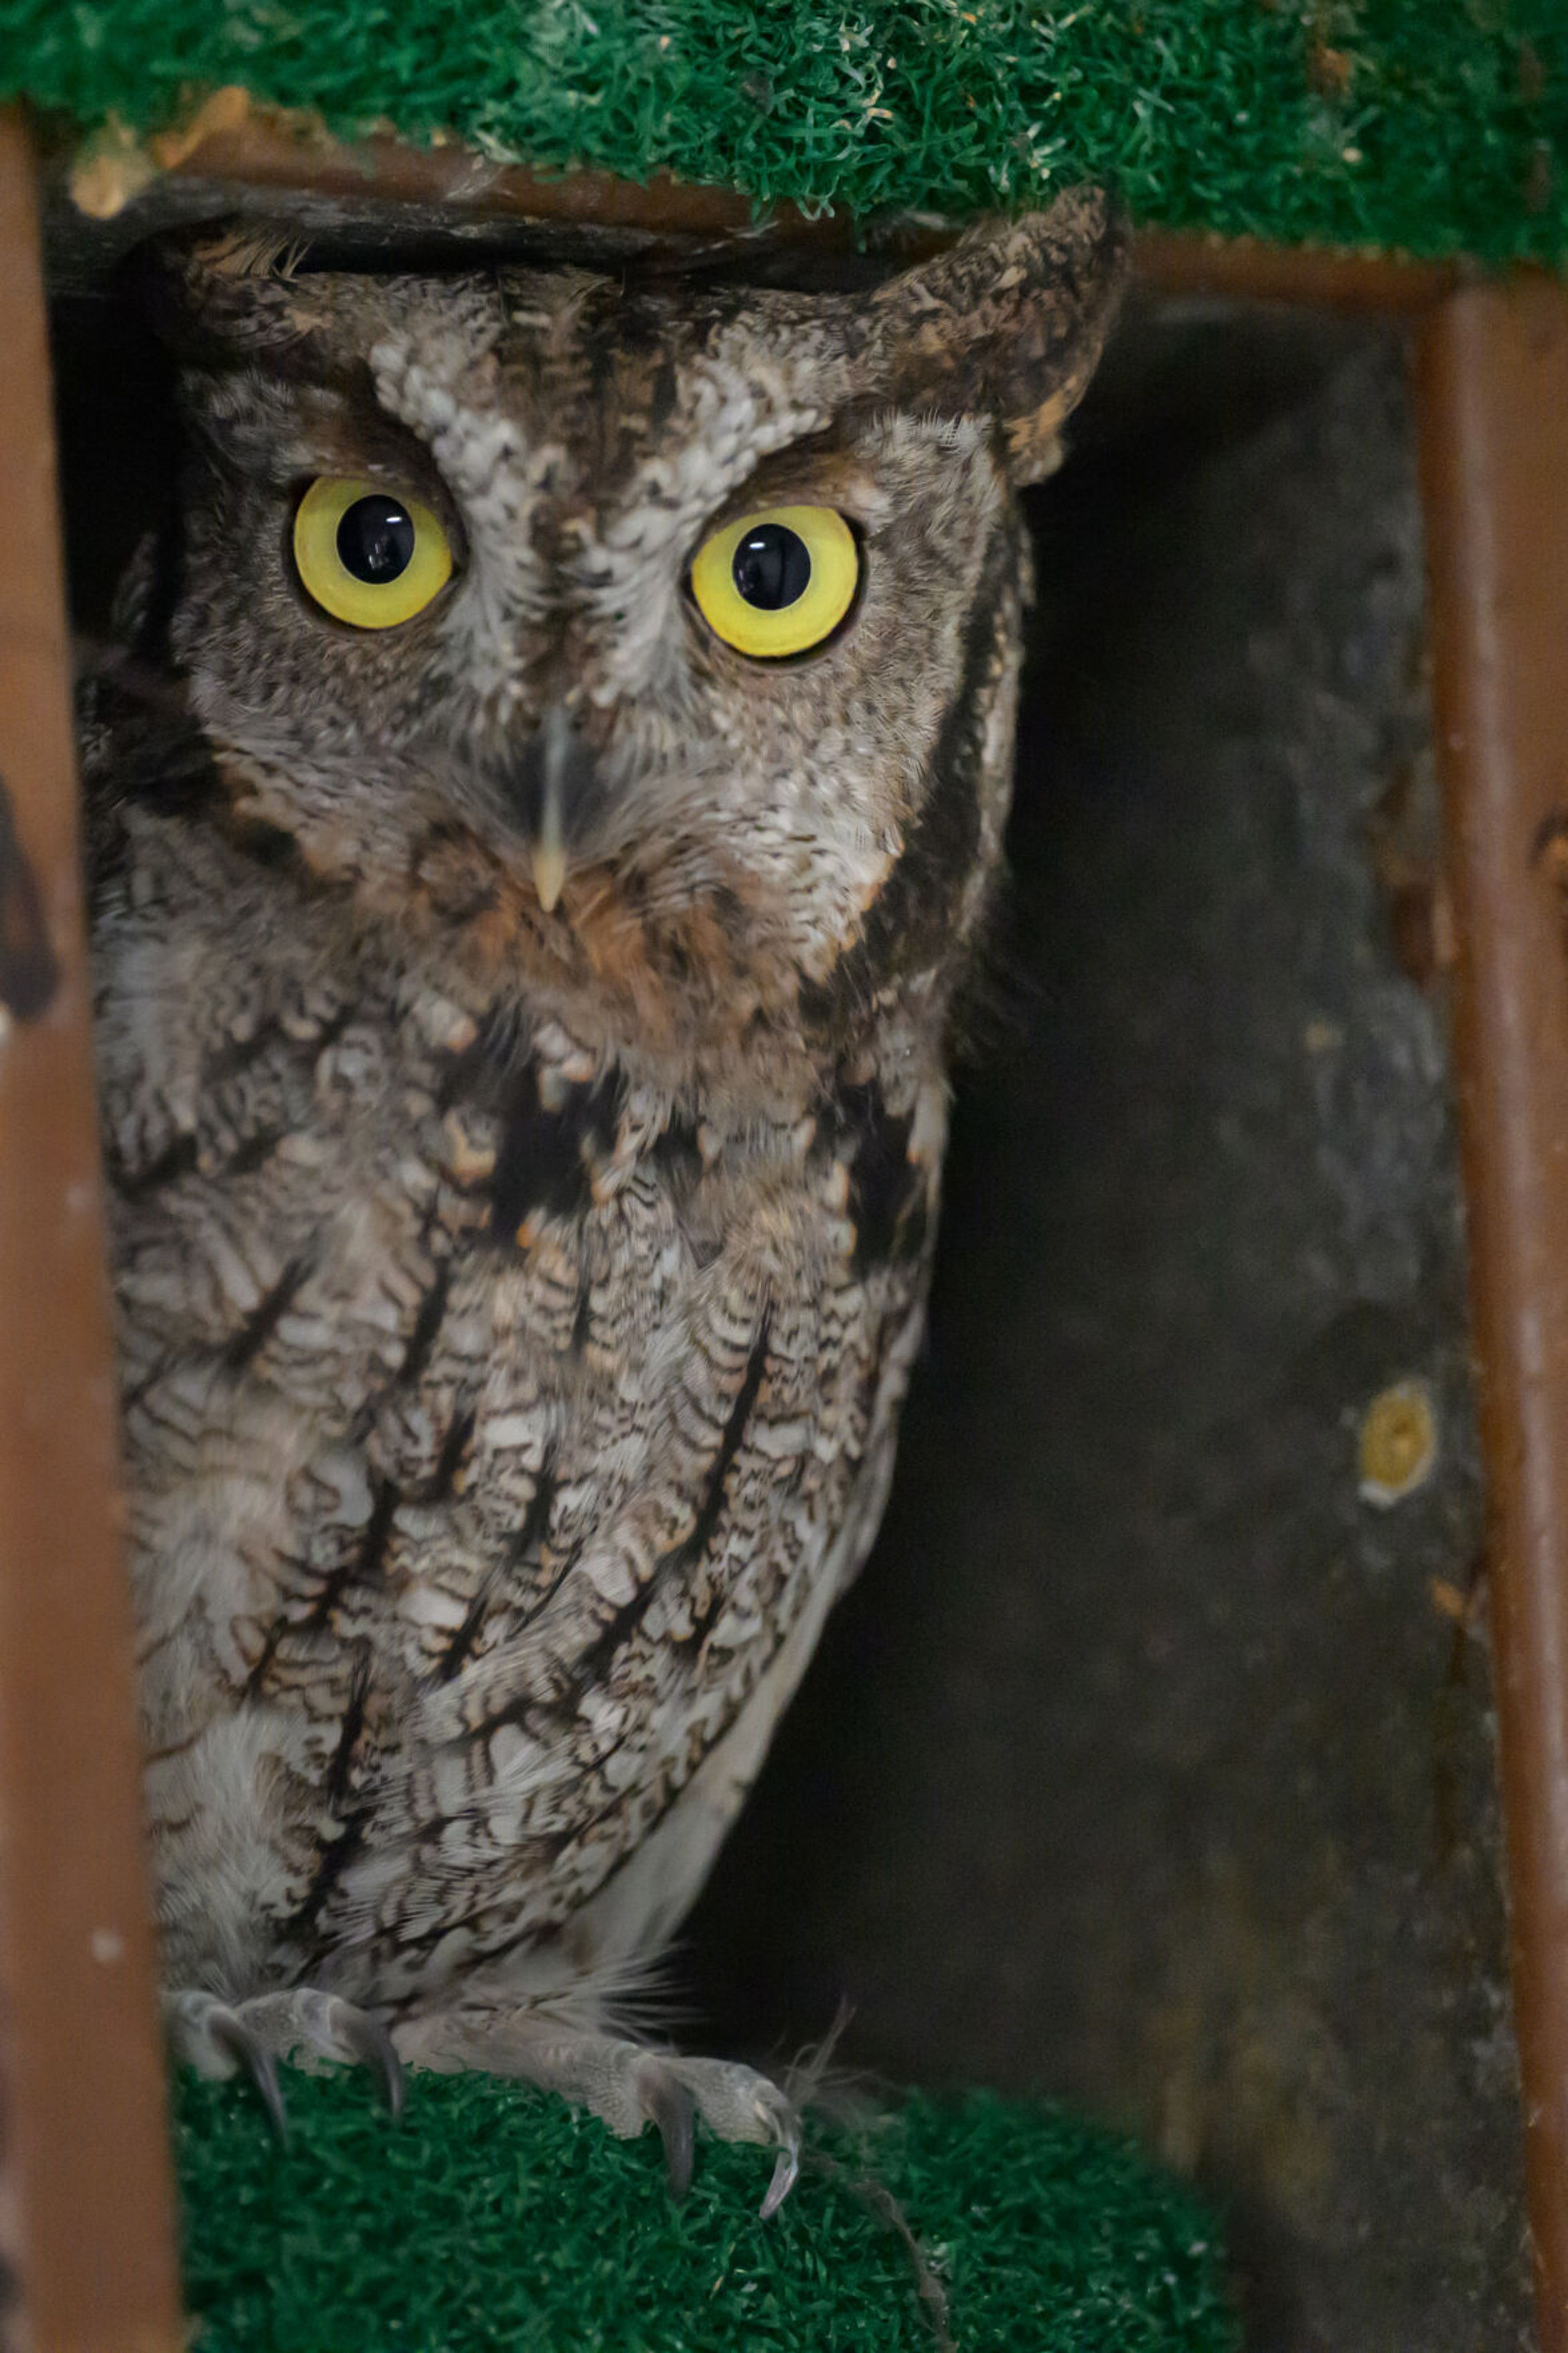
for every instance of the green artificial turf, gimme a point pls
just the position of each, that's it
(1434, 126)
(494, 2219)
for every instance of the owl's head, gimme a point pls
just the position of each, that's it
(651, 646)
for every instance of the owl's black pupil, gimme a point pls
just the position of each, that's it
(375, 540)
(771, 567)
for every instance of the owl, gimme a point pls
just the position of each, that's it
(550, 802)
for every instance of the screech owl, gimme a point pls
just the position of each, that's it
(529, 909)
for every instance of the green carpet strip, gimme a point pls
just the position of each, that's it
(1430, 126)
(492, 2219)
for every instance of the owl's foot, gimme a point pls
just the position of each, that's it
(621, 2082)
(627, 2086)
(219, 2037)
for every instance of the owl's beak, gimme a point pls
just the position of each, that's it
(548, 848)
(554, 770)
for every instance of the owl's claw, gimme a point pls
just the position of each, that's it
(622, 2081)
(368, 2041)
(786, 2173)
(674, 2111)
(740, 2104)
(229, 2032)
(219, 2037)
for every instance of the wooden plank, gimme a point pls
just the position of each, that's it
(263, 153)
(1492, 384)
(283, 165)
(87, 2205)
(1321, 278)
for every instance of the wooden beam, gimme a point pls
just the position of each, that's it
(287, 166)
(88, 2208)
(1492, 390)
(1319, 277)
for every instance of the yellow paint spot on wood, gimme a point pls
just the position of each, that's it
(1398, 1443)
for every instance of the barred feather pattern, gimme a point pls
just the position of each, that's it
(488, 1428)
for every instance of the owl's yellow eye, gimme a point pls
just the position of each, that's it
(778, 582)
(366, 557)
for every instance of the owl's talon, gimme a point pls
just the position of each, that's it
(232, 2036)
(219, 2037)
(621, 2082)
(786, 2173)
(368, 2041)
(674, 2111)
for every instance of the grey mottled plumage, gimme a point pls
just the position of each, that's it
(516, 1305)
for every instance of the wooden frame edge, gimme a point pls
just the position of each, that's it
(1492, 412)
(87, 2205)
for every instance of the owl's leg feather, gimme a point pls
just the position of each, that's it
(220, 2039)
(624, 2084)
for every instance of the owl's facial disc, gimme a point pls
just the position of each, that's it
(634, 636)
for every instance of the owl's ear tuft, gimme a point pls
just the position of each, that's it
(235, 292)
(1008, 322)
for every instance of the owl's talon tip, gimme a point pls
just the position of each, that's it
(390, 2082)
(674, 2111)
(232, 2036)
(786, 2173)
(368, 2041)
